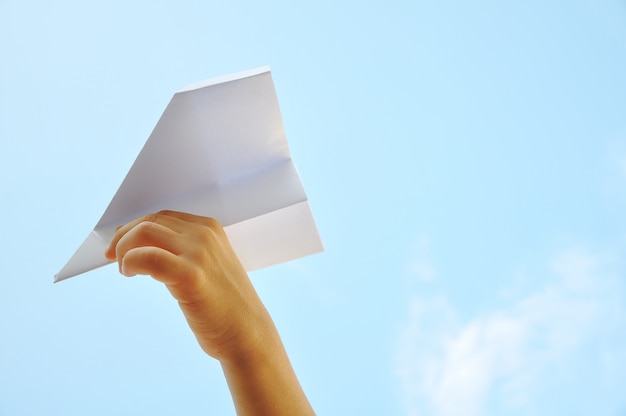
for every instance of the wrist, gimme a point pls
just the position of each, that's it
(254, 345)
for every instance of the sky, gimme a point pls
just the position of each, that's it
(465, 163)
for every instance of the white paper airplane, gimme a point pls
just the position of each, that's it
(219, 150)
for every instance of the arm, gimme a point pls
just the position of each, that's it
(191, 255)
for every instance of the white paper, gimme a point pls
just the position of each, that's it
(219, 150)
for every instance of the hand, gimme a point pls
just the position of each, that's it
(192, 256)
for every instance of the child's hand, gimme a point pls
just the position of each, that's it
(193, 257)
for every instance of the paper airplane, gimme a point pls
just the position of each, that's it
(219, 150)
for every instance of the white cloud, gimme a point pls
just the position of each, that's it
(447, 367)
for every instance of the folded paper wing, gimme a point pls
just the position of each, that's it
(219, 150)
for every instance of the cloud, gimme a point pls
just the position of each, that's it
(447, 366)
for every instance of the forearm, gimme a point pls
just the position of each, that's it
(262, 381)
(192, 256)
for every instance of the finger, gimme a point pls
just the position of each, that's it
(182, 280)
(154, 261)
(171, 222)
(210, 222)
(148, 234)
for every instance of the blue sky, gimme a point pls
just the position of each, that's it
(465, 163)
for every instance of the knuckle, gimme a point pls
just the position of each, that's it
(213, 224)
(145, 229)
(209, 232)
(207, 237)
